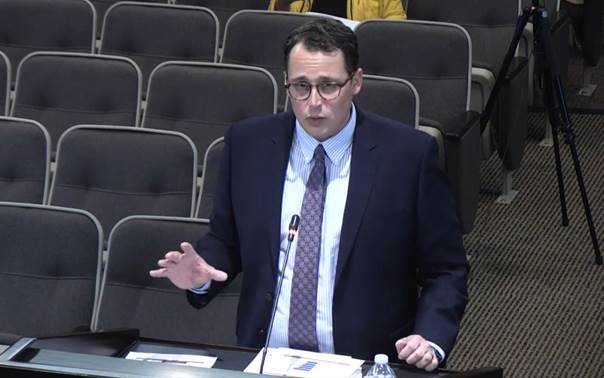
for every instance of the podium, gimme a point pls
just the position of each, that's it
(100, 354)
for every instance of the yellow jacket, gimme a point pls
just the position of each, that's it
(357, 10)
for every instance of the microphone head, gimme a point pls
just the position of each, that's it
(294, 223)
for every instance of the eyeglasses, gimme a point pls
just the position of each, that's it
(328, 90)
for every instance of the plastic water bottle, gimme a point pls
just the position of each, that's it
(380, 368)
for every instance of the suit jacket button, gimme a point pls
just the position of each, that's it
(269, 297)
(261, 332)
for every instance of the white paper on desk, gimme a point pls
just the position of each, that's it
(178, 359)
(287, 362)
(352, 24)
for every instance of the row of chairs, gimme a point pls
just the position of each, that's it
(52, 281)
(110, 171)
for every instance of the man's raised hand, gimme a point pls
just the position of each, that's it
(186, 269)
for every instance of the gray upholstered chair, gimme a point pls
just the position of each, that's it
(202, 100)
(255, 38)
(101, 7)
(415, 51)
(5, 82)
(390, 97)
(24, 160)
(35, 25)
(491, 25)
(209, 179)
(130, 298)
(114, 172)
(49, 269)
(151, 34)
(225, 9)
(60, 90)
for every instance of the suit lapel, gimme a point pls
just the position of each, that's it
(362, 170)
(280, 142)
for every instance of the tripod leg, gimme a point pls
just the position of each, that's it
(554, 121)
(570, 140)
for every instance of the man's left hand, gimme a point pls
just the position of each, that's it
(416, 351)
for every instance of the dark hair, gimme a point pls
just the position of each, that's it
(325, 35)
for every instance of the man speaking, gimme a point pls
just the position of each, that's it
(378, 265)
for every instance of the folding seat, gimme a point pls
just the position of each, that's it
(101, 7)
(5, 81)
(43, 25)
(255, 38)
(115, 171)
(415, 51)
(24, 160)
(151, 34)
(491, 25)
(202, 100)
(225, 9)
(60, 90)
(130, 298)
(209, 178)
(49, 270)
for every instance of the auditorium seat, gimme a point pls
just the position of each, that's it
(60, 90)
(209, 178)
(117, 171)
(49, 269)
(130, 298)
(150, 34)
(202, 100)
(36, 25)
(5, 82)
(255, 38)
(413, 50)
(225, 9)
(101, 7)
(491, 25)
(24, 160)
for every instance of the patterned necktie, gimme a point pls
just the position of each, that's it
(302, 329)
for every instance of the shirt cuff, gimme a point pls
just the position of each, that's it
(203, 289)
(438, 352)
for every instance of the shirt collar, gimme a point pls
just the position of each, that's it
(335, 147)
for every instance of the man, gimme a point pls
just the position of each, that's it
(357, 10)
(378, 265)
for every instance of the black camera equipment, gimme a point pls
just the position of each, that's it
(554, 101)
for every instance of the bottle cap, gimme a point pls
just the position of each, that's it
(381, 359)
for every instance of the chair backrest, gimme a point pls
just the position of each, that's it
(131, 298)
(415, 51)
(5, 83)
(24, 160)
(49, 269)
(256, 38)
(490, 24)
(150, 34)
(225, 9)
(101, 7)
(202, 100)
(114, 172)
(36, 25)
(390, 97)
(60, 90)
(209, 177)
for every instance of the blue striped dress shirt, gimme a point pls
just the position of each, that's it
(337, 172)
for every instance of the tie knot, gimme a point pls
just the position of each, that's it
(319, 154)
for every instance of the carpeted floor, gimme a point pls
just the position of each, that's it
(536, 302)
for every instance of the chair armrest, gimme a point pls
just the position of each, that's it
(460, 125)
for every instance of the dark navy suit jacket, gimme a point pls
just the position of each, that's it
(401, 266)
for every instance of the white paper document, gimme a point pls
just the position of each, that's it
(179, 359)
(287, 362)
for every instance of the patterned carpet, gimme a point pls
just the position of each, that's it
(536, 303)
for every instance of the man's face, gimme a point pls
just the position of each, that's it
(319, 117)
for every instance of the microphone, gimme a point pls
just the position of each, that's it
(291, 234)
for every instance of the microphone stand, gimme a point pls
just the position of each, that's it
(293, 230)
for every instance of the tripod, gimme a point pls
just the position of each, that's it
(555, 103)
